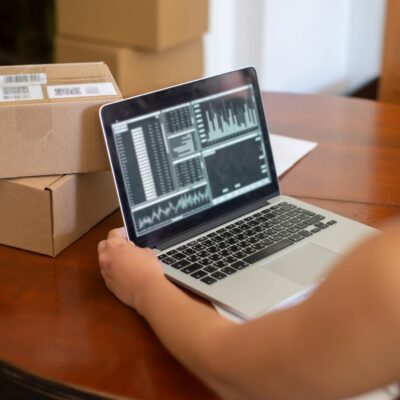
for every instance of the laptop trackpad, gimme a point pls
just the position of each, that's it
(304, 265)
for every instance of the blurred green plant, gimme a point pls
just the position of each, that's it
(26, 31)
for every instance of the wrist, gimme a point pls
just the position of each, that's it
(150, 291)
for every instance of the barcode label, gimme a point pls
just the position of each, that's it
(83, 90)
(20, 93)
(24, 79)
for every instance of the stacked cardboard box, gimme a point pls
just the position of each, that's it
(147, 44)
(49, 125)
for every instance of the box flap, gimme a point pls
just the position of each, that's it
(40, 183)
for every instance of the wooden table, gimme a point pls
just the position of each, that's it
(62, 332)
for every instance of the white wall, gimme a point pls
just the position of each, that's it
(311, 46)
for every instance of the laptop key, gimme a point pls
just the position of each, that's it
(275, 238)
(314, 219)
(220, 264)
(208, 280)
(315, 230)
(249, 250)
(168, 260)
(188, 251)
(303, 216)
(310, 213)
(225, 252)
(180, 264)
(240, 265)
(333, 222)
(203, 253)
(210, 269)
(321, 225)
(228, 270)
(267, 242)
(258, 246)
(285, 233)
(193, 258)
(191, 268)
(234, 248)
(230, 259)
(305, 233)
(213, 249)
(218, 275)
(199, 274)
(288, 207)
(215, 257)
(267, 251)
(179, 256)
(241, 236)
(205, 262)
(296, 237)
(240, 254)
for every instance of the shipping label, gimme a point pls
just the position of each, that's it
(21, 93)
(23, 79)
(81, 90)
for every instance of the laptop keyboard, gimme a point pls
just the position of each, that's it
(236, 246)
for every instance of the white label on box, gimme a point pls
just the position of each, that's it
(81, 90)
(20, 93)
(24, 79)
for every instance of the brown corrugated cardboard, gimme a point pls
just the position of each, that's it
(49, 118)
(137, 71)
(46, 214)
(146, 24)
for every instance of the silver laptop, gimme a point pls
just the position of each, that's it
(196, 180)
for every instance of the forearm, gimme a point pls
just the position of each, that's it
(189, 329)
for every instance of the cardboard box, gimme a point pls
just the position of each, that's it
(46, 214)
(145, 24)
(138, 71)
(49, 120)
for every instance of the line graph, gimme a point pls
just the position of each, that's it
(166, 211)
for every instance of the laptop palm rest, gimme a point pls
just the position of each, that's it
(304, 265)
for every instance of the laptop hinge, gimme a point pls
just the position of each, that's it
(165, 244)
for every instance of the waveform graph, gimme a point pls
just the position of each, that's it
(171, 209)
(226, 116)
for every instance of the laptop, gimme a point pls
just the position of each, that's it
(196, 182)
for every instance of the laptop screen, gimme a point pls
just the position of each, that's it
(182, 160)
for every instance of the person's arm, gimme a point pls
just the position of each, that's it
(341, 341)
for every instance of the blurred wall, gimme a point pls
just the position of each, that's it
(310, 46)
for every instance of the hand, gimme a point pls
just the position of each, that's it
(128, 270)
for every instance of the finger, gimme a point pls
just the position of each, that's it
(119, 233)
(101, 246)
(114, 234)
(122, 232)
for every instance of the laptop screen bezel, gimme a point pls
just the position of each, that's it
(155, 101)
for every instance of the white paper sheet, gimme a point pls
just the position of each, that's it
(288, 151)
